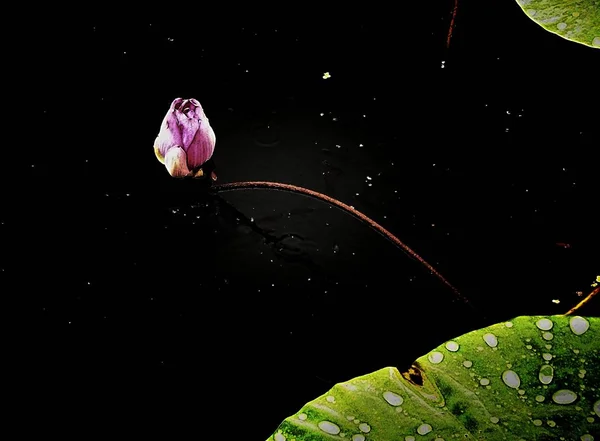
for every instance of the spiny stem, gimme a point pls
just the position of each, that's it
(452, 20)
(348, 209)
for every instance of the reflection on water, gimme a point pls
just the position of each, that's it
(266, 134)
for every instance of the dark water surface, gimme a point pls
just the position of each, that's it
(158, 305)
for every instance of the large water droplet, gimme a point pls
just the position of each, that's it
(491, 340)
(358, 437)
(436, 357)
(329, 427)
(546, 374)
(597, 407)
(511, 379)
(578, 325)
(564, 396)
(544, 324)
(392, 398)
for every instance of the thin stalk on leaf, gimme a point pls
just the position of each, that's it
(589, 297)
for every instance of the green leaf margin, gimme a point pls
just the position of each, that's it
(574, 20)
(509, 381)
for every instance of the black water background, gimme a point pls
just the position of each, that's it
(186, 326)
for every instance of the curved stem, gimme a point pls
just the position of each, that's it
(589, 297)
(452, 20)
(348, 209)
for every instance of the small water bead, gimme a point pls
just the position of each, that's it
(330, 399)
(302, 416)
(484, 381)
(494, 419)
(547, 356)
(436, 357)
(587, 436)
(508, 324)
(537, 422)
(452, 346)
(597, 407)
(364, 427)
(467, 363)
(358, 437)
(544, 324)
(547, 336)
(409, 438)
(424, 429)
(279, 437)
(540, 398)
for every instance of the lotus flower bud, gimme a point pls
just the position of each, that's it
(186, 140)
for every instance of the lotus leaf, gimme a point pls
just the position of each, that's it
(530, 378)
(575, 20)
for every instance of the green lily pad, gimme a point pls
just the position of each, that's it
(575, 20)
(531, 378)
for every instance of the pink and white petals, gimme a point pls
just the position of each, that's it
(186, 140)
(176, 162)
(202, 147)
